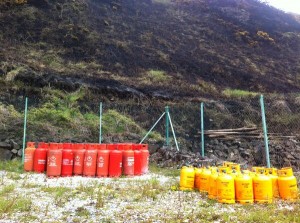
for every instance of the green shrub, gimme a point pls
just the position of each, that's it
(155, 76)
(236, 93)
(114, 122)
(14, 165)
(15, 204)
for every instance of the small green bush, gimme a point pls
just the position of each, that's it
(115, 122)
(155, 76)
(15, 204)
(14, 165)
(236, 93)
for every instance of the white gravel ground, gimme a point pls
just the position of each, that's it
(148, 198)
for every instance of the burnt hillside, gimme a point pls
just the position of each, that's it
(157, 48)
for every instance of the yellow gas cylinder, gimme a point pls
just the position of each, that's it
(250, 172)
(187, 178)
(204, 176)
(227, 164)
(243, 188)
(272, 173)
(235, 169)
(262, 187)
(225, 187)
(287, 184)
(212, 183)
(197, 178)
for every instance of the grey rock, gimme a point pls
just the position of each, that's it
(20, 152)
(14, 151)
(14, 145)
(5, 154)
(5, 145)
(153, 148)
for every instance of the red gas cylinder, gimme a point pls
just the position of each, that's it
(54, 160)
(111, 147)
(79, 152)
(40, 158)
(137, 159)
(115, 162)
(29, 155)
(67, 160)
(101, 147)
(128, 160)
(60, 146)
(102, 161)
(41, 145)
(90, 160)
(145, 158)
(73, 146)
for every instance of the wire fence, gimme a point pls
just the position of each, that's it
(78, 120)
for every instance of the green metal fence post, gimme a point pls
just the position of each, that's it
(167, 126)
(24, 132)
(152, 128)
(202, 129)
(100, 123)
(264, 123)
(177, 147)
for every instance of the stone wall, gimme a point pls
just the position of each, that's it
(10, 149)
(245, 152)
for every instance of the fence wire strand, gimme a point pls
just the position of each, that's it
(79, 121)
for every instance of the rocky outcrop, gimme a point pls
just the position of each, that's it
(247, 153)
(170, 157)
(10, 149)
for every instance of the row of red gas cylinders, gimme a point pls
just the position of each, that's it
(101, 160)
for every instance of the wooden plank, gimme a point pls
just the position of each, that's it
(243, 129)
(232, 133)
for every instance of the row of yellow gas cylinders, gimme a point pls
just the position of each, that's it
(228, 184)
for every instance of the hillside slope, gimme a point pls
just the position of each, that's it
(156, 48)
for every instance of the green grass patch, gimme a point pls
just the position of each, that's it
(15, 204)
(162, 1)
(236, 93)
(56, 190)
(10, 76)
(7, 190)
(169, 172)
(155, 76)
(82, 212)
(115, 122)
(288, 119)
(87, 191)
(61, 116)
(53, 61)
(268, 213)
(61, 194)
(14, 165)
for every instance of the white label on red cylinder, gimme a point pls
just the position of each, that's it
(101, 161)
(89, 160)
(121, 164)
(41, 161)
(27, 158)
(66, 161)
(130, 161)
(77, 161)
(52, 161)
